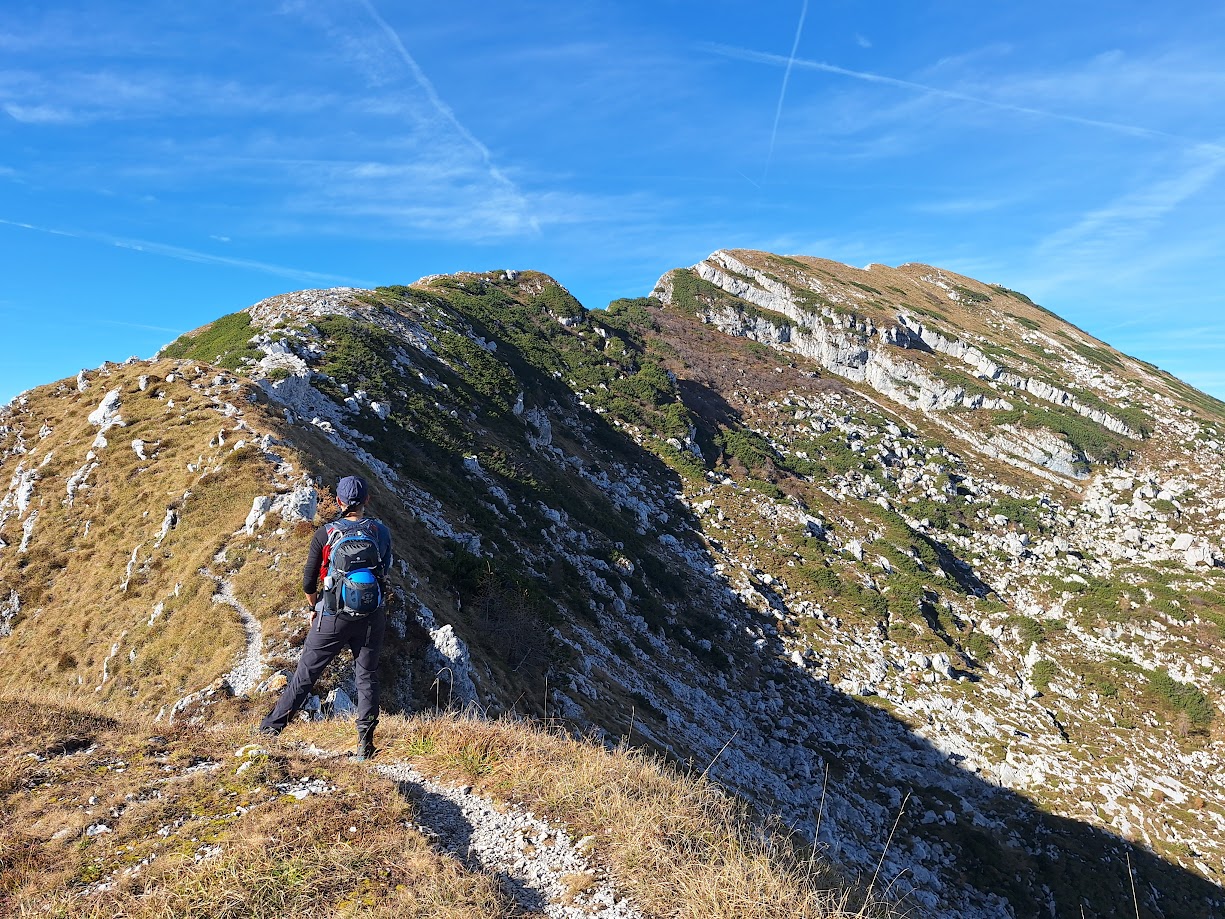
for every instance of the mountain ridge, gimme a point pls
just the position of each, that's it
(774, 504)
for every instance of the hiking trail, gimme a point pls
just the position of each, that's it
(246, 675)
(540, 867)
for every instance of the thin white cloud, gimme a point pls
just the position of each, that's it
(862, 41)
(1135, 215)
(425, 165)
(763, 57)
(961, 206)
(38, 114)
(206, 258)
(190, 255)
(782, 93)
(1165, 83)
(138, 325)
(448, 114)
(90, 96)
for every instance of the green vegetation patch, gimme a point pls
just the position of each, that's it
(751, 450)
(925, 311)
(970, 296)
(1092, 353)
(829, 455)
(946, 516)
(225, 343)
(1092, 441)
(482, 371)
(972, 385)
(1136, 418)
(1016, 295)
(359, 354)
(694, 295)
(1024, 512)
(559, 301)
(1183, 698)
(1042, 673)
(1210, 405)
(1034, 631)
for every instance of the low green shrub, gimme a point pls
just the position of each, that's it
(225, 342)
(1182, 697)
(1042, 673)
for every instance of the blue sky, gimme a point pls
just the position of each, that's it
(164, 163)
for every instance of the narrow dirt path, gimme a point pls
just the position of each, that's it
(246, 675)
(538, 865)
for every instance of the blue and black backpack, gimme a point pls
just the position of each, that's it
(352, 567)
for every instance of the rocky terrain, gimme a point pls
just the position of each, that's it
(899, 557)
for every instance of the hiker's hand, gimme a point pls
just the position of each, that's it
(314, 615)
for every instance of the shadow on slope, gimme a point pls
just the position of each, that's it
(650, 641)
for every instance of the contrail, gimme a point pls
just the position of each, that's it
(764, 57)
(445, 110)
(188, 255)
(782, 93)
(140, 325)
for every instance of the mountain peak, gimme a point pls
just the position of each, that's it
(871, 545)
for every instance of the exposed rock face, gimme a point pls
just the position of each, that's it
(845, 536)
(8, 612)
(830, 326)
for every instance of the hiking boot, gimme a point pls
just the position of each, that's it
(365, 745)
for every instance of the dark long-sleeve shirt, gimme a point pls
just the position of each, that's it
(314, 555)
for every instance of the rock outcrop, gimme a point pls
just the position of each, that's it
(863, 543)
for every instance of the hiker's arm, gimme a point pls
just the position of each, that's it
(310, 573)
(385, 558)
(385, 550)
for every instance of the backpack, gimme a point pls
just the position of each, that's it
(351, 567)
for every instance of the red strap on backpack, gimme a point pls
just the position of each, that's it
(327, 554)
(325, 557)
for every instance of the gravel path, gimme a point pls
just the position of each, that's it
(246, 675)
(539, 866)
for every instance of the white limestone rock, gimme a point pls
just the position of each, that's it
(1199, 555)
(8, 612)
(259, 510)
(450, 655)
(301, 504)
(106, 415)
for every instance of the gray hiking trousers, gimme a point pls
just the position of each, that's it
(330, 635)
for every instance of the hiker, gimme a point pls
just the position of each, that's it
(351, 556)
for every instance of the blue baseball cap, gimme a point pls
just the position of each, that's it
(352, 490)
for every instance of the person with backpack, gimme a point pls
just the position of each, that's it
(345, 582)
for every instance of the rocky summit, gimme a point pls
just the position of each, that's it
(899, 557)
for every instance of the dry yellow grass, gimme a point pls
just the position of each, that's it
(99, 593)
(189, 839)
(675, 844)
(94, 574)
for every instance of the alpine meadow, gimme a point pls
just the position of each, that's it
(792, 589)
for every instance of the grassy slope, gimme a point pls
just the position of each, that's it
(682, 848)
(71, 581)
(187, 840)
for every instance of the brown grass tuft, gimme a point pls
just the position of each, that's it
(676, 844)
(190, 834)
(189, 839)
